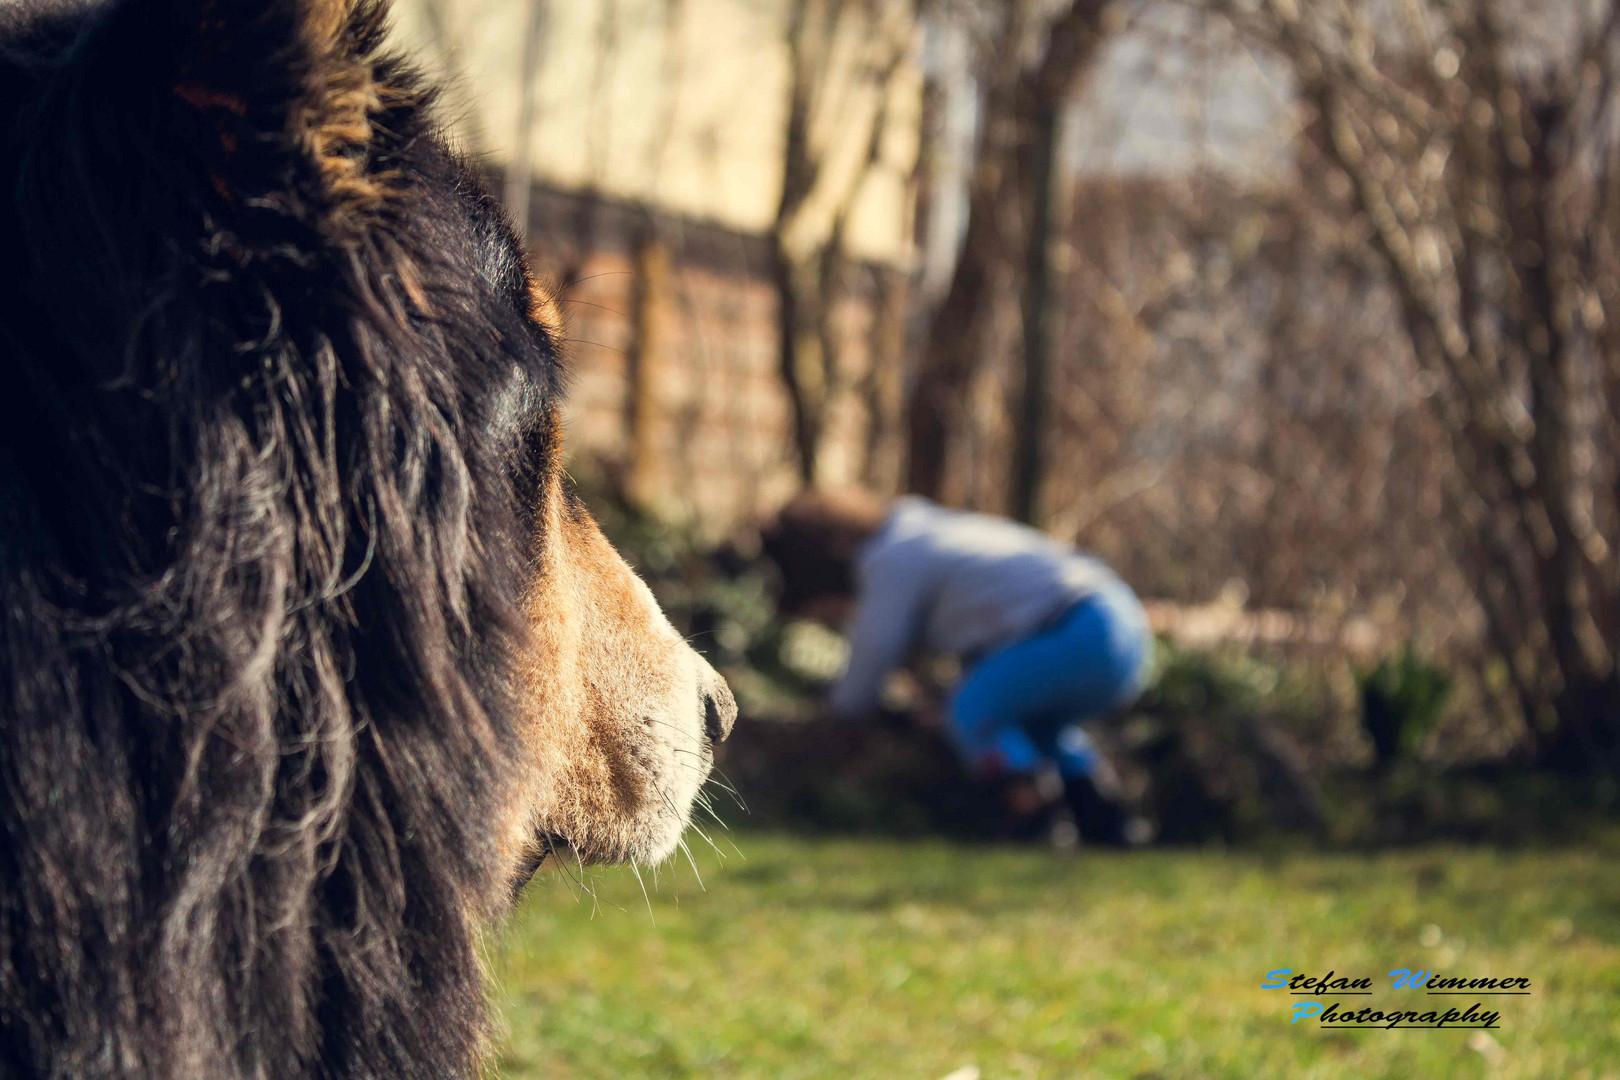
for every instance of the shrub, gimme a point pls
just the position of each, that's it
(1402, 701)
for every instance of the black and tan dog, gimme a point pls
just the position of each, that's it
(307, 655)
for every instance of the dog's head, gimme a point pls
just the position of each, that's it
(290, 297)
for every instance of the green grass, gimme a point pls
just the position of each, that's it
(867, 959)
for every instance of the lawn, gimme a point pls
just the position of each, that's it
(913, 960)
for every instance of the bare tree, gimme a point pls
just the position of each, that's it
(1477, 141)
(844, 57)
(520, 172)
(653, 294)
(1005, 245)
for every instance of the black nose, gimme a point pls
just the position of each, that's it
(719, 710)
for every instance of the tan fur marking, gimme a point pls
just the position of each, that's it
(333, 118)
(544, 310)
(334, 126)
(326, 20)
(611, 707)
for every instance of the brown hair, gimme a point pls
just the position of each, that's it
(813, 541)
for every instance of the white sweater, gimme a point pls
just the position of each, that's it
(954, 582)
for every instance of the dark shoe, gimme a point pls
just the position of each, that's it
(1101, 817)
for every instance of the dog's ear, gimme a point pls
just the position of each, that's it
(241, 55)
(234, 130)
(237, 91)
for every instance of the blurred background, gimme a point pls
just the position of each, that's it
(1303, 314)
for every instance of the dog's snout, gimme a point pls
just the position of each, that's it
(719, 709)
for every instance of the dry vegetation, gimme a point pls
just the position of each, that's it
(1367, 375)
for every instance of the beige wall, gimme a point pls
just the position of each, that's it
(687, 115)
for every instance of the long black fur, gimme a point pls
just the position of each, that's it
(262, 527)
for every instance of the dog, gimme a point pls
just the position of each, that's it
(308, 654)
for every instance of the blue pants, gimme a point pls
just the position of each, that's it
(1023, 704)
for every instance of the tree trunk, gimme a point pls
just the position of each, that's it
(1029, 447)
(801, 356)
(1018, 106)
(519, 175)
(884, 382)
